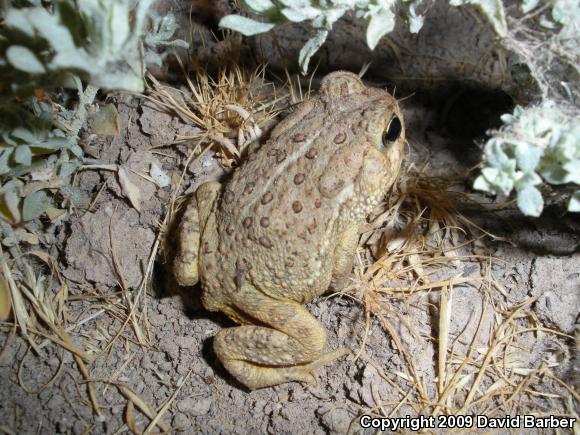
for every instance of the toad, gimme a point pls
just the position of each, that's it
(285, 227)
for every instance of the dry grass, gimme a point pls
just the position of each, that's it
(419, 236)
(40, 313)
(229, 110)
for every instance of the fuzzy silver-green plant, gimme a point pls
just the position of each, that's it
(99, 41)
(25, 135)
(536, 144)
(561, 12)
(31, 147)
(540, 143)
(104, 42)
(17, 206)
(49, 45)
(379, 14)
(322, 14)
(162, 29)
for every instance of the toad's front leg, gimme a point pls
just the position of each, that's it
(261, 356)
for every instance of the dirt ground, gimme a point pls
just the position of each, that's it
(104, 251)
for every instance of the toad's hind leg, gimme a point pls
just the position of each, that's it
(191, 226)
(260, 356)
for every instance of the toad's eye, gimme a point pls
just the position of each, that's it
(393, 131)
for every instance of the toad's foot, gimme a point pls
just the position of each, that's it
(307, 372)
(195, 216)
(256, 376)
(261, 356)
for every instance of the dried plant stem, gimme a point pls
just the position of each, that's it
(445, 304)
(90, 389)
(497, 338)
(167, 404)
(143, 407)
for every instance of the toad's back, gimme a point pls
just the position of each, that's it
(280, 214)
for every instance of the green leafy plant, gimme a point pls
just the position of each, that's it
(379, 14)
(561, 13)
(25, 135)
(539, 143)
(99, 41)
(32, 148)
(104, 42)
(45, 46)
(322, 15)
(162, 29)
(17, 206)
